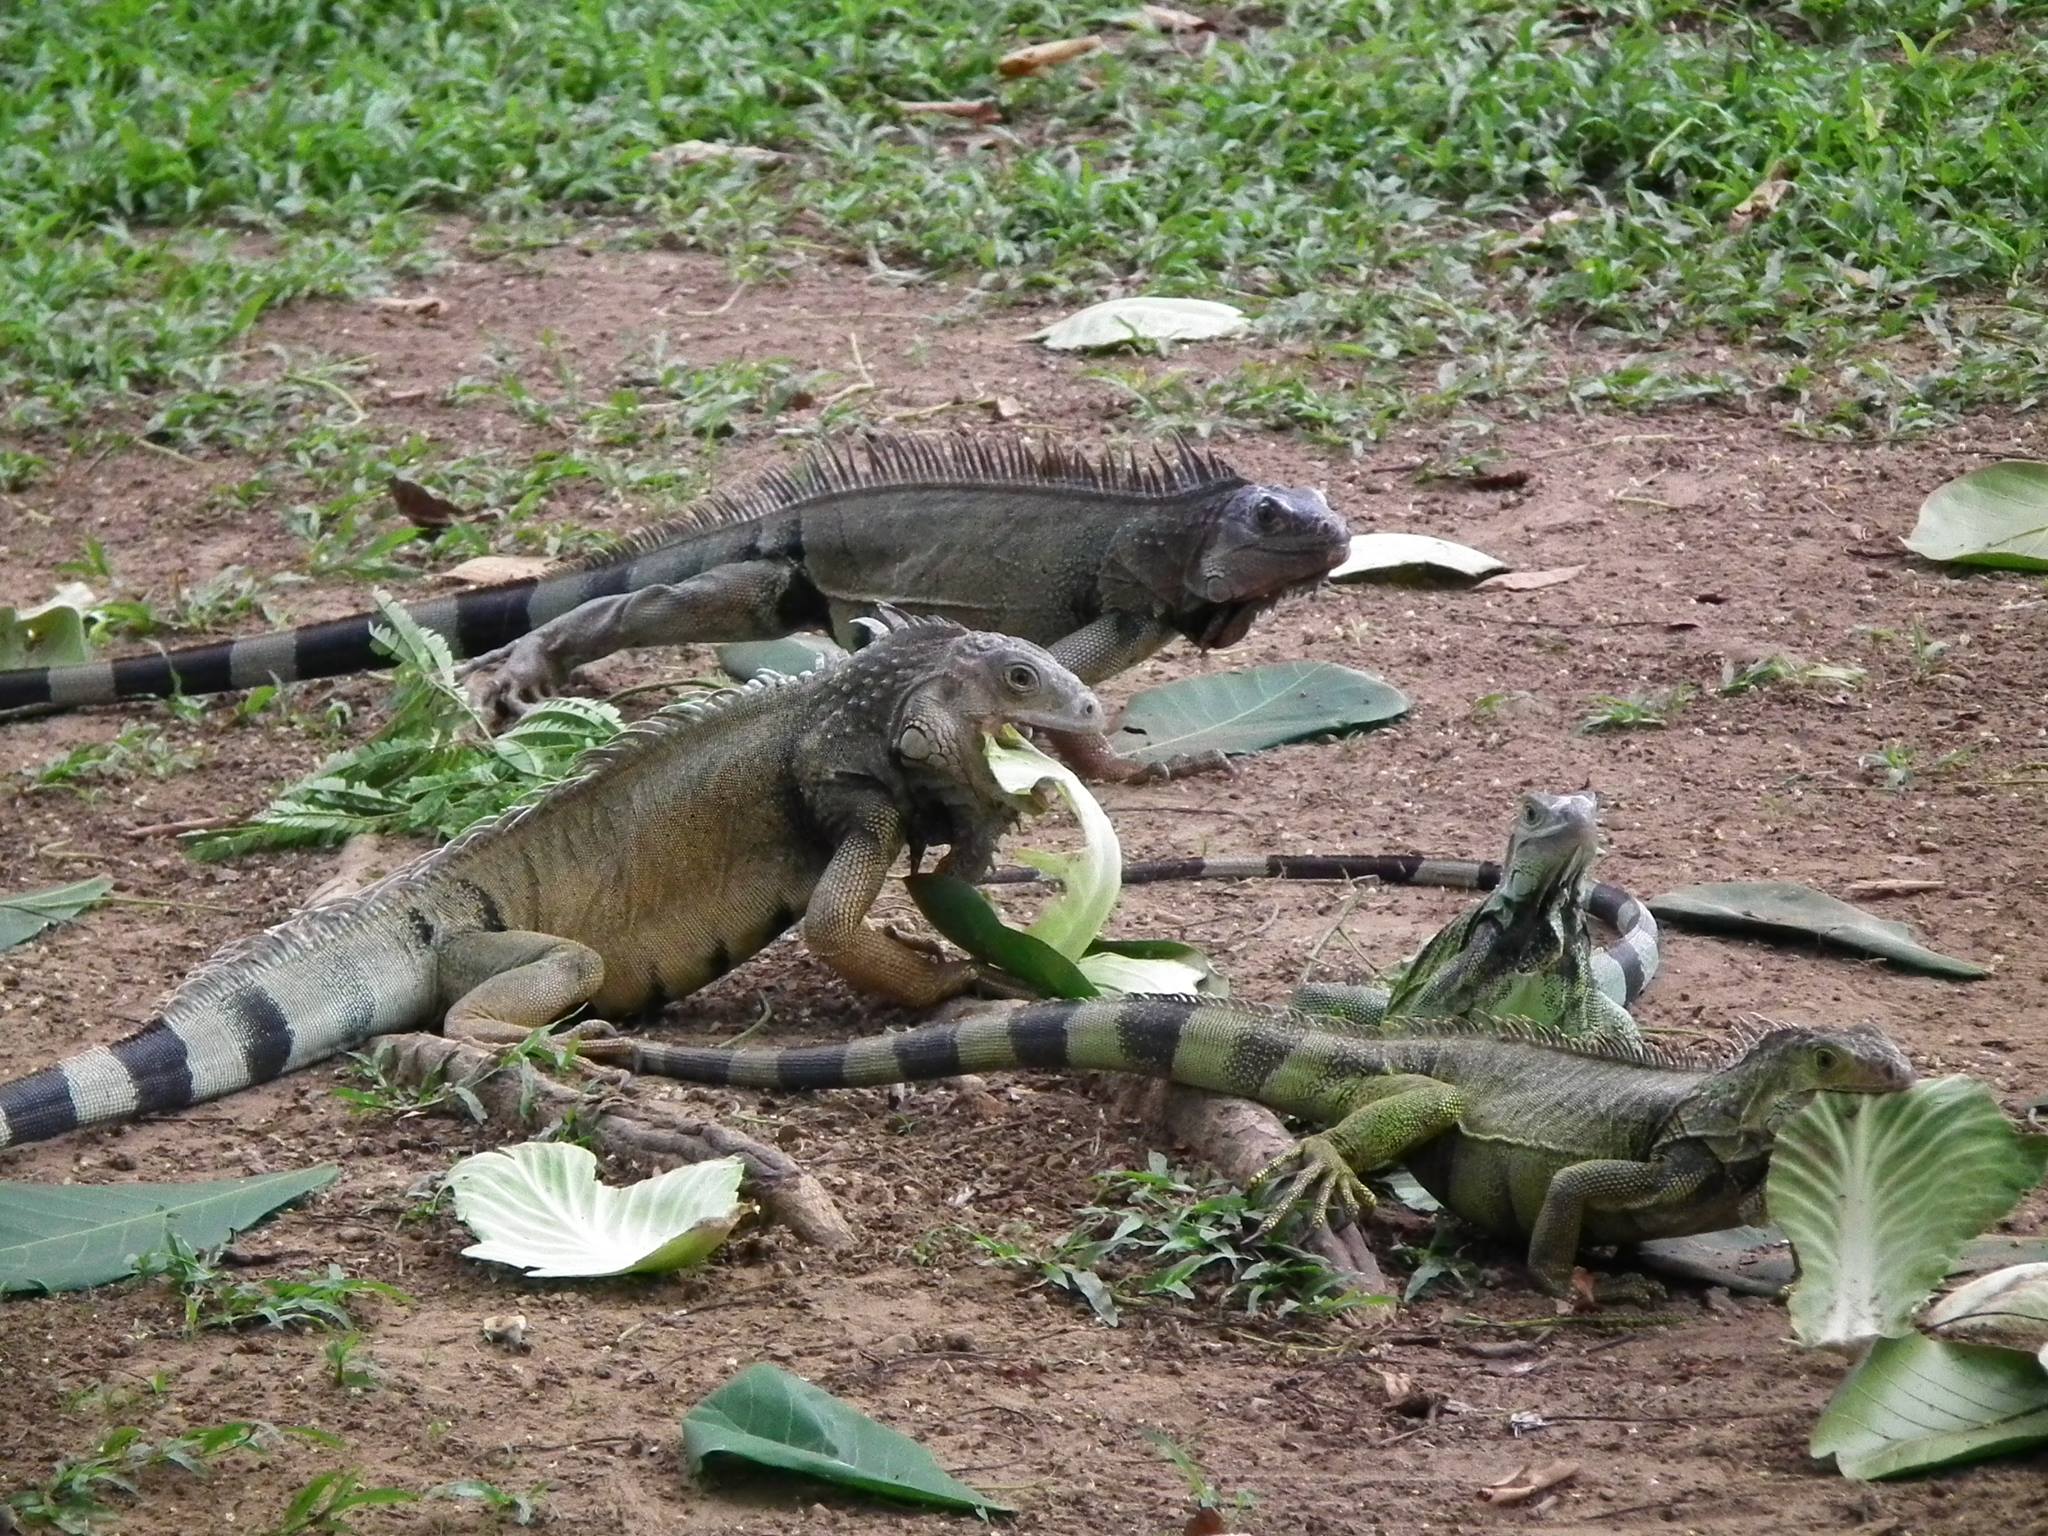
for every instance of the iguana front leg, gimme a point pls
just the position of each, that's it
(1100, 649)
(1385, 1118)
(500, 987)
(835, 922)
(1604, 1184)
(741, 601)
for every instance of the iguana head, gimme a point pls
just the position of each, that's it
(1554, 843)
(1252, 545)
(1858, 1060)
(974, 686)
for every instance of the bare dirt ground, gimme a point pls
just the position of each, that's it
(1703, 537)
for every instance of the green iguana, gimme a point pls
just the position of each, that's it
(681, 848)
(1102, 561)
(1524, 952)
(1515, 1129)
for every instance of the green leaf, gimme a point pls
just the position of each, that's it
(51, 634)
(1151, 965)
(964, 915)
(538, 1206)
(2008, 1308)
(1915, 1403)
(1120, 322)
(1413, 557)
(791, 656)
(768, 1419)
(28, 913)
(1879, 1193)
(1995, 516)
(66, 1237)
(1781, 909)
(1090, 881)
(1254, 709)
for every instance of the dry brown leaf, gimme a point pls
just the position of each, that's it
(1042, 56)
(1538, 232)
(490, 570)
(1521, 1486)
(421, 507)
(1531, 581)
(968, 111)
(1397, 1385)
(1761, 203)
(1003, 408)
(1167, 19)
(703, 151)
(424, 304)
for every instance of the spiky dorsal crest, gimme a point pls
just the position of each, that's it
(933, 460)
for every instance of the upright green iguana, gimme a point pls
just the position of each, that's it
(1514, 1129)
(680, 849)
(1523, 953)
(1103, 561)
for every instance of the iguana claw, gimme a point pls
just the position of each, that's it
(1323, 1178)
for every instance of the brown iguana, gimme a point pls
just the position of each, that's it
(1513, 1128)
(1523, 952)
(681, 848)
(1102, 561)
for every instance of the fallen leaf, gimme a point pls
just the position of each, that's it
(969, 111)
(1761, 203)
(1539, 232)
(1120, 322)
(490, 570)
(425, 304)
(1167, 19)
(1003, 408)
(1531, 581)
(1521, 1486)
(1042, 56)
(421, 507)
(704, 151)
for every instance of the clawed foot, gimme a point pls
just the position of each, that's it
(911, 939)
(506, 683)
(1321, 1179)
(1588, 1290)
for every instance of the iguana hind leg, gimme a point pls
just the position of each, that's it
(1603, 1184)
(1386, 1116)
(836, 928)
(742, 601)
(503, 986)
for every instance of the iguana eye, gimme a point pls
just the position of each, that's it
(1825, 1060)
(1266, 516)
(1021, 676)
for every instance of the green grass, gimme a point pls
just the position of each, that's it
(1367, 175)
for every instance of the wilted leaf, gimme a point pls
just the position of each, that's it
(424, 305)
(1520, 1486)
(1120, 322)
(2008, 1308)
(1251, 710)
(1914, 1403)
(1530, 581)
(421, 507)
(50, 634)
(27, 913)
(707, 151)
(1412, 556)
(1879, 1193)
(1780, 909)
(1041, 56)
(791, 656)
(967, 111)
(64, 1237)
(1167, 19)
(491, 570)
(1995, 516)
(1770, 192)
(767, 1418)
(538, 1206)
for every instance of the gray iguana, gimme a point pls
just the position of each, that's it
(1523, 952)
(1514, 1128)
(1102, 561)
(678, 850)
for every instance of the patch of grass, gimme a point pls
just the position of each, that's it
(1637, 712)
(213, 1299)
(325, 1504)
(74, 1499)
(1899, 766)
(1202, 1487)
(1926, 656)
(1771, 671)
(139, 751)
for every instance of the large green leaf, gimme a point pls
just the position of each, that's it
(1121, 322)
(1251, 710)
(1413, 558)
(1995, 516)
(965, 916)
(1879, 1193)
(51, 634)
(1781, 909)
(767, 1418)
(63, 1237)
(2008, 1307)
(539, 1206)
(1914, 1403)
(27, 913)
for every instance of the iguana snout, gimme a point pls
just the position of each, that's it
(1268, 540)
(1555, 841)
(1001, 680)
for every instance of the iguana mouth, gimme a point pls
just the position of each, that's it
(1226, 624)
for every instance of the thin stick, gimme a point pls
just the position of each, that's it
(712, 314)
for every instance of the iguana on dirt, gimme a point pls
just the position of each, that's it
(1102, 561)
(680, 848)
(1524, 952)
(1514, 1129)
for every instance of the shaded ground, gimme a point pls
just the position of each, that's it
(1705, 538)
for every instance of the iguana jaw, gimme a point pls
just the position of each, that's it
(1265, 541)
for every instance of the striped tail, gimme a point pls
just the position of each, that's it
(1622, 971)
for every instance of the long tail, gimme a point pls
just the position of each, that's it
(1622, 970)
(1222, 1046)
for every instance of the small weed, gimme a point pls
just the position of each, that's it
(383, 1093)
(74, 1499)
(1637, 712)
(1438, 1261)
(1201, 1487)
(213, 1300)
(514, 1508)
(1491, 706)
(19, 471)
(346, 1370)
(1773, 670)
(1925, 655)
(104, 1397)
(324, 1504)
(1900, 767)
(139, 750)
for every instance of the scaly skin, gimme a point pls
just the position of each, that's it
(681, 849)
(1101, 561)
(1519, 1131)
